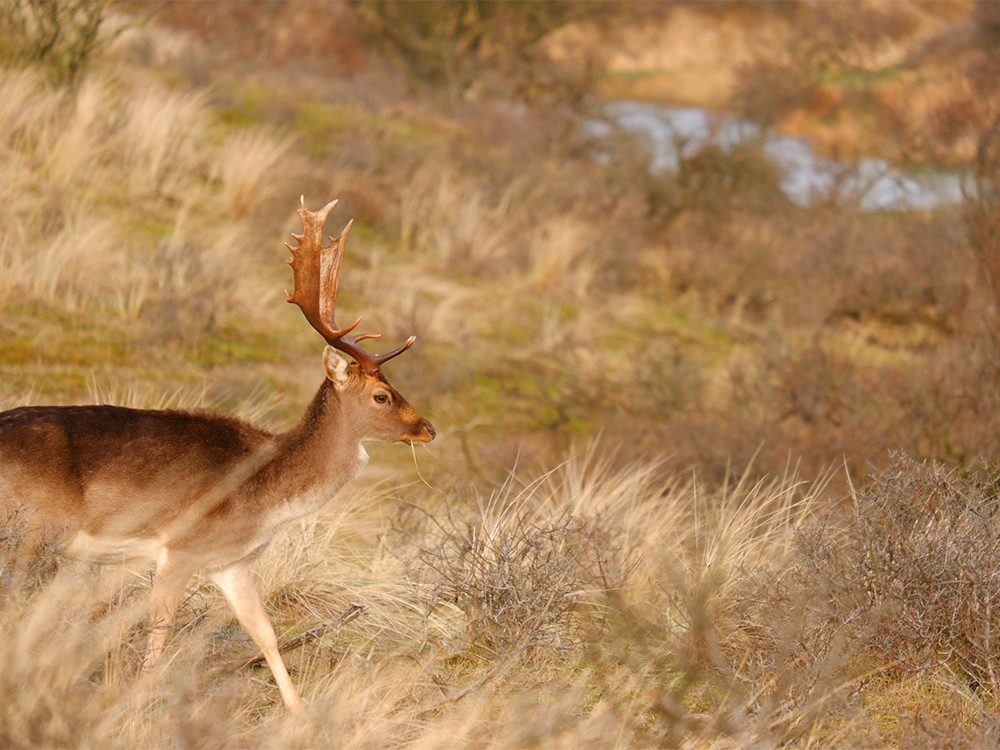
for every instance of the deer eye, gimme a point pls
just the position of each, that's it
(381, 398)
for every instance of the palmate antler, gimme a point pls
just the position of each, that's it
(316, 271)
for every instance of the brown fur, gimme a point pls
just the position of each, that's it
(50, 456)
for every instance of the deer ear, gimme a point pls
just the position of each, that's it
(336, 365)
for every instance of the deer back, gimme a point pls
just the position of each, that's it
(109, 469)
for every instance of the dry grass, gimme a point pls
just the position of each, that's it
(68, 149)
(564, 589)
(160, 136)
(588, 607)
(249, 165)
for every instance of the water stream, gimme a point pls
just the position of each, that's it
(672, 133)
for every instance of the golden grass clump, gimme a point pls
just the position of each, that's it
(160, 141)
(499, 233)
(251, 165)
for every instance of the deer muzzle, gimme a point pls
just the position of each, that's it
(424, 433)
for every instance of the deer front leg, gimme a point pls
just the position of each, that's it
(237, 585)
(168, 586)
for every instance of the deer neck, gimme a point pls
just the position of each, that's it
(318, 456)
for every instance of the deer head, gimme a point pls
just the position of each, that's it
(316, 273)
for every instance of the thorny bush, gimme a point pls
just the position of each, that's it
(519, 577)
(26, 563)
(917, 573)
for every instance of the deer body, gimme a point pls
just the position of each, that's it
(201, 491)
(108, 473)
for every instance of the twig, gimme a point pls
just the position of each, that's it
(493, 673)
(354, 610)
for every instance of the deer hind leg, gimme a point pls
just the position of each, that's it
(237, 585)
(169, 583)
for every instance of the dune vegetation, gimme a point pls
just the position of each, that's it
(714, 468)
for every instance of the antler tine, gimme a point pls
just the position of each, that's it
(316, 272)
(395, 352)
(379, 359)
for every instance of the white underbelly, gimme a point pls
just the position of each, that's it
(220, 547)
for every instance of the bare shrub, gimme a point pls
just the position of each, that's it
(963, 129)
(477, 44)
(520, 579)
(60, 35)
(929, 553)
(768, 90)
(917, 570)
(825, 40)
(26, 563)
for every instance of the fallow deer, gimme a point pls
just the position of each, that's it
(202, 491)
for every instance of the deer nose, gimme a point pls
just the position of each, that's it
(430, 430)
